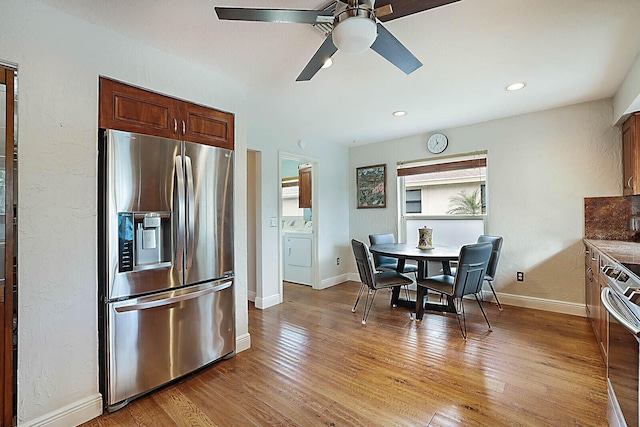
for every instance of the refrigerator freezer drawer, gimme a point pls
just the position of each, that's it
(154, 339)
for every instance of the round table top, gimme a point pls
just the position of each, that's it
(410, 251)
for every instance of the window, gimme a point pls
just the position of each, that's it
(447, 194)
(454, 186)
(290, 202)
(414, 201)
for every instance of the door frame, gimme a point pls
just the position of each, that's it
(7, 362)
(283, 155)
(254, 225)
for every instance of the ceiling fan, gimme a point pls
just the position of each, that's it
(355, 28)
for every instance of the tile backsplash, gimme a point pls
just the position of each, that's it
(609, 218)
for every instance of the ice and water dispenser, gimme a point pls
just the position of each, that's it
(144, 240)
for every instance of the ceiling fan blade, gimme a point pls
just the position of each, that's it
(274, 15)
(387, 46)
(325, 52)
(409, 7)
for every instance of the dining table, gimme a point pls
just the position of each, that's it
(407, 251)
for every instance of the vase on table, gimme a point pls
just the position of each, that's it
(425, 238)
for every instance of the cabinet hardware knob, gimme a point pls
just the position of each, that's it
(175, 125)
(629, 181)
(184, 128)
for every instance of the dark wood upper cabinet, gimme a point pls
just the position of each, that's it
(630, 153)
(206, 125)
(133, 109)
(304, 189)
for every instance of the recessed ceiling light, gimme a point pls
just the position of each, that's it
(328, 63)
(399, 113)
(515, 86)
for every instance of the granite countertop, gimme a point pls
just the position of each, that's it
(619, 251)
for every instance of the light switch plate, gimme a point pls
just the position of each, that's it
(274, 221)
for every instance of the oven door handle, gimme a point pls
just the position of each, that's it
(607, 300)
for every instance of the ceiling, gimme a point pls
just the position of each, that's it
(567, 51)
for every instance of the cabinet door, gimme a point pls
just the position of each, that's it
(132, 109)
(588, 278)
(206, 125)
(629, 156)
(604, 328)
(591, 285)
(304, 182)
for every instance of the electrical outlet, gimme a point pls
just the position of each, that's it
(520, 276)
(338, 261)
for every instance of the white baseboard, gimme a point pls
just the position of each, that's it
(243, 342)
(572, 308)
(332, 281)
(263, 303)
(70, 415)
(251, 296)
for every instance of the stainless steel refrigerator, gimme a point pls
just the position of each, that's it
(166, 282)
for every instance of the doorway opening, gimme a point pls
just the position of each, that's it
(254, 226)
(297, 221)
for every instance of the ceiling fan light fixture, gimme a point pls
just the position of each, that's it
(328, 63)
(515, 86)
(355, 34)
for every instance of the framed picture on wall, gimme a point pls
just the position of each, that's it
(371, 190)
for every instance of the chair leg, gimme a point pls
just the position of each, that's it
(406, 292)
(463, 325)
(483, 313)
(368, 305)
(362, 287)
(494, 295)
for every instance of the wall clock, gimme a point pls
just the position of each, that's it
(437, 143)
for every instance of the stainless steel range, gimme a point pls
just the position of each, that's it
(622, 300)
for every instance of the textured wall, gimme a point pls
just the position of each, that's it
(540, 168)
(59, 60)
(331, 213)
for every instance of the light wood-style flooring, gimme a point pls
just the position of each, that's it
(312, 363)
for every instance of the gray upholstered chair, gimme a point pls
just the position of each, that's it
(372, 280)
(471, 271)
(384, 263)
(496, 242)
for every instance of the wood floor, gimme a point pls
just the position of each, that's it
(312, 363)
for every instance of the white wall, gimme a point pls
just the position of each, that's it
(627, 97)
(331, 212)
(59, 59)
(540, 167)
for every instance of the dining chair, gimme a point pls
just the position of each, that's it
(496, 242)
(384, 263)
(372, 280)
(471, 271)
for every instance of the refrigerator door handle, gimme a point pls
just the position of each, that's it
(181, 213)
(153, 301)
(190, 212)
